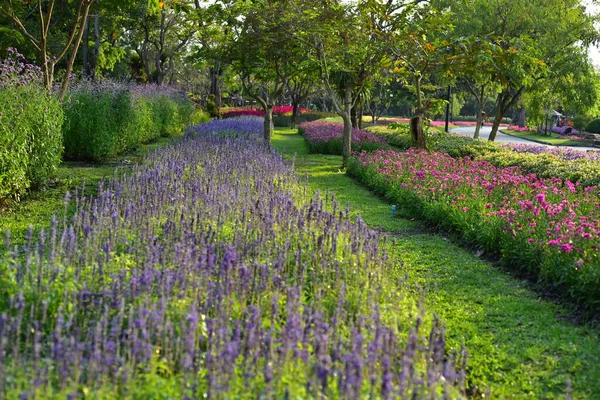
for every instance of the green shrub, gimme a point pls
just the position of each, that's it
(106, 119)
(100, 124)
(146, 121)
(334, 147)
(397, 135)
(580, 122)
(462, 146)
(168, 115)
(198, 116)
(593, 126)
(30, 138)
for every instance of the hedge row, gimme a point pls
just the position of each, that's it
(104, 121)
(30, 138)
(96, 122)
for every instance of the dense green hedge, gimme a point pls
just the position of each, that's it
(285, 121)
(593, 126)
(30, 138)
(105, 122)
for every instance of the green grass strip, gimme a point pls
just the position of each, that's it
(520, 346)
(37, 209)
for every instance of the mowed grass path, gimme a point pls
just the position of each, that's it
(520, 346)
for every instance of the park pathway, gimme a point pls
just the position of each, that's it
(484, 134)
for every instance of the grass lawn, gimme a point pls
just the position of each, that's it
(37, 208)
(520, 346)
(555, 139)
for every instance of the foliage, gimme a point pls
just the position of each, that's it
(104, 119)
(593, 126)
(580, 122)
(397, 135)
(30, 128)
(547, 227)
(166, 277)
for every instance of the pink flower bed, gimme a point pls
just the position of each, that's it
(322, 131)
(547, 226)
(326, 137)
(277, 110)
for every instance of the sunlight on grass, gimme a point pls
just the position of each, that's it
(519, 345)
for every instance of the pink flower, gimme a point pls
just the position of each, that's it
(566, 247)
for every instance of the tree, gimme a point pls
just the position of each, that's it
(263, 54)
(345, 39)
(424, 50)
(159, 33)
(45, 13)
(301, 85)
(528, 46)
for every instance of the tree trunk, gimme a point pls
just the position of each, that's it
(295, 113)
(215, 74)
(479, 122)
(496, 124)
(85, 49)
(94, 63)
(71, 60)
(416, 129)
(347, 136)
(268, 125)
(353, 117)
(360, 117)
(522, 116)
(416, 122)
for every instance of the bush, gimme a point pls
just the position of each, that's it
(580, 122)
(199, 116)
(473, 118)
(100, 124)
(106, 119)
(397, 135)
(593, 126)
(30, 129)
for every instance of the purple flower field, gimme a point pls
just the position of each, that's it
(247, 127)
(210, 272)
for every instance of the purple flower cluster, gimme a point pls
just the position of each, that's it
(210, 272)
(14, 71)
(564, 130)
(248, 127)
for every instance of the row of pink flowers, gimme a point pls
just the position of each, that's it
(243, 111)
(551, 226)
(323, 131)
